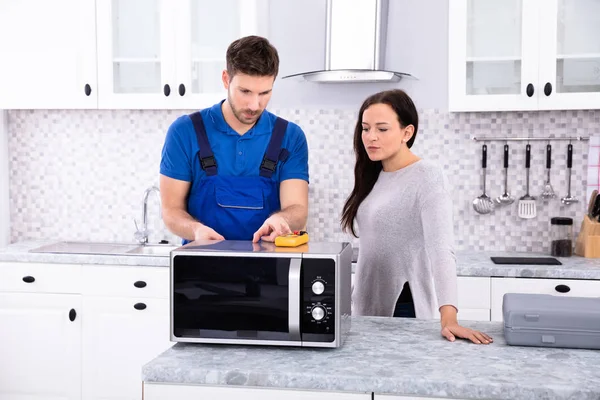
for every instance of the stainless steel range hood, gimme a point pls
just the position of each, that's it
(356, 34)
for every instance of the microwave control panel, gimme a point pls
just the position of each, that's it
(318, 302)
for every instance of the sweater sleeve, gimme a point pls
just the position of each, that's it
(438, 231)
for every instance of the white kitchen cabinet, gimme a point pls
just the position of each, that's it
(473, 298)
(120, 335)
(524, 55)
(153, 391)
(169, 54)
(126, 325)
(557, 287)
(48, 51)
(40, 346)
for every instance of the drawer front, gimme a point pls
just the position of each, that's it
(40, 277)
(473, 292)
(557, 287)
(126, 281)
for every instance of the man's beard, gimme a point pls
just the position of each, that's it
(254, 115)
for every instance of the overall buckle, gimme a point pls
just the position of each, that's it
(208, 162)
(268, 164)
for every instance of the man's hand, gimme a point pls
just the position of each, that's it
(274, 226)
(203, 232)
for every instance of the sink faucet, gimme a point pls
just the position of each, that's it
(141, 235)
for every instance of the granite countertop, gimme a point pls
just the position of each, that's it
(19, 252)
(395, 356)
(468, 263)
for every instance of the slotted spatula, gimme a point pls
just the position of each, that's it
(527, 208)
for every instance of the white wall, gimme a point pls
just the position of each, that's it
(4, 208)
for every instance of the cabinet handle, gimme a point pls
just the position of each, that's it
(28, 279)
(72, 315)
(548, 89)
(140, 284)
(139, 306)
(181, 89)
(530, 90)
(167, 90)
(562, 289)
(88, 89)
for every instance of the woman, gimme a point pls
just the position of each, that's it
(403, 213)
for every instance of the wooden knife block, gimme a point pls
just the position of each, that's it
(588, 240)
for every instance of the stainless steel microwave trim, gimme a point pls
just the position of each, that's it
(344, 71)
(294, 289)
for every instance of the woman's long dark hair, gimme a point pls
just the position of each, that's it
(366, 171)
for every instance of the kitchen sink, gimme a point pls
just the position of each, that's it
(98, 248)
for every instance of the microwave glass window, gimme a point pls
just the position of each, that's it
(231, 297)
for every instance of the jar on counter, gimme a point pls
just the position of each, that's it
(561, 235)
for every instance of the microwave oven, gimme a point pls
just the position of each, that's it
(239, 292)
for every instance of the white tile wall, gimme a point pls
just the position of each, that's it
(80, 175)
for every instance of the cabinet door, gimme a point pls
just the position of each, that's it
(48, 54)
(191, 392)
(205, 28)
(570, 54)
(493, 55)
(558, 287)
(136, 57)
(119, 337)
(473, 298)
(40, 346)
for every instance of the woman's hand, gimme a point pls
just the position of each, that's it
(451, 329)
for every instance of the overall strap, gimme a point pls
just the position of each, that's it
(207, 158)
(274, 152)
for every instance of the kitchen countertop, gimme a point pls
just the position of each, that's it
(395, 356)
(468, 263)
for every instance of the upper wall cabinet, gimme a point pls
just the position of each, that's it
(524, 55)
(169, 54)
(48, 54)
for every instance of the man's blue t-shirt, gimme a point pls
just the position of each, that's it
(236, 155)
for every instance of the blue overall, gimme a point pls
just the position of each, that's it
(236, 206)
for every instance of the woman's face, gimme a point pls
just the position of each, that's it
(382, 135)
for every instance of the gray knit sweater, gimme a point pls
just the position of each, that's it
(406, 234)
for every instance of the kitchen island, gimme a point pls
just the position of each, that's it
(382, 357)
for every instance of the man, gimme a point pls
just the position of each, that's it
(235, 171)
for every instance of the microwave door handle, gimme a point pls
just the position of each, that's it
(294, 299)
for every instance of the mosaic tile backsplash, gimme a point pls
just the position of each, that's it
(81, 175)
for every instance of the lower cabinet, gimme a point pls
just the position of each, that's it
(191, 392)
(120, 335)
(40, 346)
(71, 332)
(473, 298)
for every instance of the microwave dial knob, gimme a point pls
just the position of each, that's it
(318, 313)
(318, 288)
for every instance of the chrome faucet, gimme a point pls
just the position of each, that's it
(141, 235)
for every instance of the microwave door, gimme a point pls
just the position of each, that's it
(294, 298)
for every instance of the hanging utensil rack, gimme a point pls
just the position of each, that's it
(530, 139)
